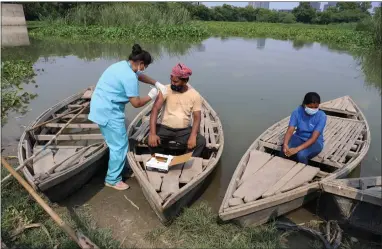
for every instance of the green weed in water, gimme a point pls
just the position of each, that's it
(13, 96)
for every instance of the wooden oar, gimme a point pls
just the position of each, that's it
(81, 240)
(54, 138)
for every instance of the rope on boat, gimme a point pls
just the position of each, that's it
(334, 236)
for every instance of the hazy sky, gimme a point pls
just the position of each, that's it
(272, 5)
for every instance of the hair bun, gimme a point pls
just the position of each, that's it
(136, 49)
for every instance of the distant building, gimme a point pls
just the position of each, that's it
(257, 5)
(285, 10)
(329, 4)
(315, 5)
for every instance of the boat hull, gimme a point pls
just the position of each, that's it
(59, 186)
(352, 213)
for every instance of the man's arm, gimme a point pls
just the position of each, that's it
(154, 113)
(197, 115)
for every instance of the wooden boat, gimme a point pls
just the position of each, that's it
(265, 186)
(169, 192)
(69, 162)
(355, 202)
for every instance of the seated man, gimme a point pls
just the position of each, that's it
(181, 101)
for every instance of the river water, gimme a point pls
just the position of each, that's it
(250, 83)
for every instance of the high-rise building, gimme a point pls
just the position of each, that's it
(315, 5)
(329, 4)
(263, 5)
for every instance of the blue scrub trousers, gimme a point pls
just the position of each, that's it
(115, 136)
(302, 156)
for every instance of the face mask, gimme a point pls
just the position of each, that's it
(311, 111)
(176, 88)
(141, 71)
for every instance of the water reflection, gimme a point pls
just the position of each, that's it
(91, 51)
(14, 36)
(261, 43)
(371, 66)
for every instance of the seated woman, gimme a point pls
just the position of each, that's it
(309, 123)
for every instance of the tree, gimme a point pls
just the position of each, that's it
(304, 12)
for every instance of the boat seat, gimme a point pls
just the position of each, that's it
(343, 139)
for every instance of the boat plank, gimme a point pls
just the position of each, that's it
(62, 154)
(264, 178)
(284, 180)
(43, 162)
(69, 137)
(73, 126)
(257, 159)
(71, 161)
(154, 177)
(235, 202)
(305, 175)
(340, 140)
(348, 146)
(191, 169)
(210, 129)
(170, 183)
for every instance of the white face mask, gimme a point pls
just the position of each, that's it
(141, 71)
(311, 111)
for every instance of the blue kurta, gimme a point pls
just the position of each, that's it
(107, 109)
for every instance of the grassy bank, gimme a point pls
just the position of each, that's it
(24, 224)
(341, 35)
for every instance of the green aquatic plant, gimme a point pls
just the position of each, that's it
(13, 96)
(328, 34)
(100, 33)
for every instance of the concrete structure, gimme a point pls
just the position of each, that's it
(316, 5)
(12, 15)
(329, 4)
(13, 26)
(263, 5)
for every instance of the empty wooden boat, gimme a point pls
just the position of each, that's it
(355, 202)
(74, 156)
(168, 192)
(265, 186)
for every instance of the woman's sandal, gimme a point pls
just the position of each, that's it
(118, 186)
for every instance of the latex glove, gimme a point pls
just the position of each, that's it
(153, 93)
(161, 87)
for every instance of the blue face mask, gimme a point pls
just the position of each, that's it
(311, 111)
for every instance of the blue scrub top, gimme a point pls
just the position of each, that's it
(112, 92)
(305, 124)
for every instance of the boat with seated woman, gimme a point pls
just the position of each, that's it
(265, 186)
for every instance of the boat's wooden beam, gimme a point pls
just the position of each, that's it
(74, 126)
(81, 116)
(75, 106)
(70, 137)
(359, 182)
(351, 193)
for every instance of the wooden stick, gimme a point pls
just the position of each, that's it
(81, 240)
(58, 117)
(54, 138)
